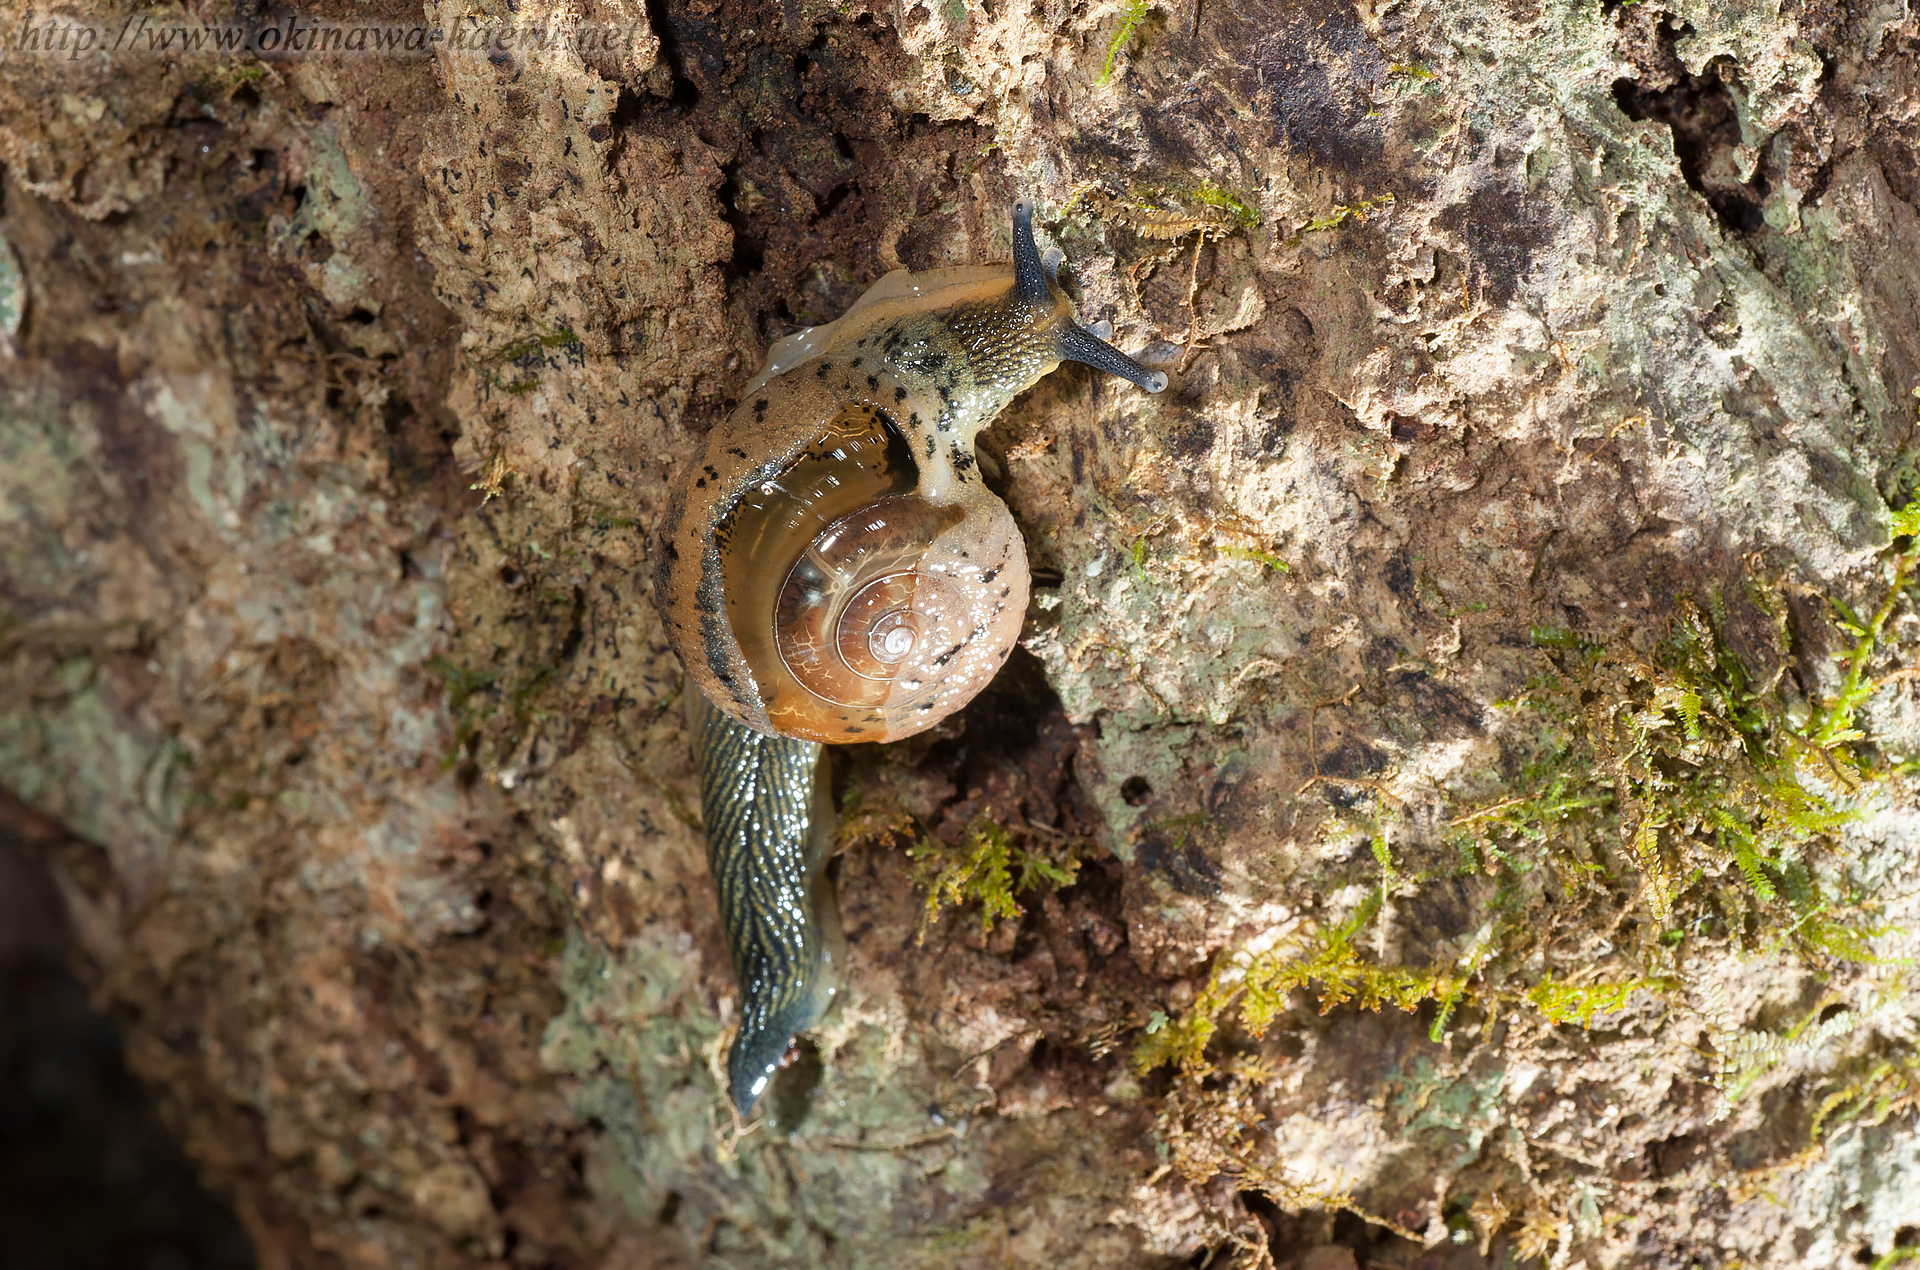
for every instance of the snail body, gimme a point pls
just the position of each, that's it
(769, 826)
(832, 569)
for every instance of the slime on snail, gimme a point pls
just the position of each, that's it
(832, 569)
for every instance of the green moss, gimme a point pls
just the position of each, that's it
(1683, 767)
(1886, 1088)
(1131, 17)
(475, 697)
(1258, 557)
(989, 868)
(226, 79)
(1173, 210)
(1579, 1002)
(1744, 1057)
(533, 346)
(1207, 194)
(1255, 990)
(1361, 211)
(528, 356)
(1835, 724)
(461, 685)
(1699, 768)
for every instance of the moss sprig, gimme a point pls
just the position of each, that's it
(991, 866)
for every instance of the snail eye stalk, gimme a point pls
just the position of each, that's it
(1077, 345)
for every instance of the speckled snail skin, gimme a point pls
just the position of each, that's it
(832, 569)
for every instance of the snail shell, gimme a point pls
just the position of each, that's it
(832, 569)
(831, 565)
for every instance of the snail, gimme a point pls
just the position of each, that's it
(832, 569)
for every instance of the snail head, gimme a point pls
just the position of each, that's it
(1037, 292)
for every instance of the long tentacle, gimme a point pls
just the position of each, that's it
(1034, 283)
(1079, 345)
(769, 820)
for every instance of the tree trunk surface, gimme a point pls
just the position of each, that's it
(1460, 745)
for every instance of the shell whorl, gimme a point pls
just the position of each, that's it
(861, 608)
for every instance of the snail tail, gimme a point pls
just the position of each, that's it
(769, 821)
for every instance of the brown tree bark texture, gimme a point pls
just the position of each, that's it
(1482, 318)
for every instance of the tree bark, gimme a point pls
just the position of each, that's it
(1517, 349)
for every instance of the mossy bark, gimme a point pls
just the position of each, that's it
(337, 399)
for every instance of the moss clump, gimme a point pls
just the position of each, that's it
(1167, 211)
(1362, 211)
(1254, 554)
(1171, 212)
(1887, 1088)
(226, 79)
(1256, 989)
(528, 357)
(989, 868)
(532, 349)
(1689, 767)
(462, 685)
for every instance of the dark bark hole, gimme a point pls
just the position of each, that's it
(1700, 111)
(394, 413)
(576, 626)
(1283, 1234)
(89, 1176)
(1172, 853)
(749, 249)
(626, 110)
(686, 94)
(1673, 1155)
(836, 196)
(1135, 791)
(1357, 1233)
